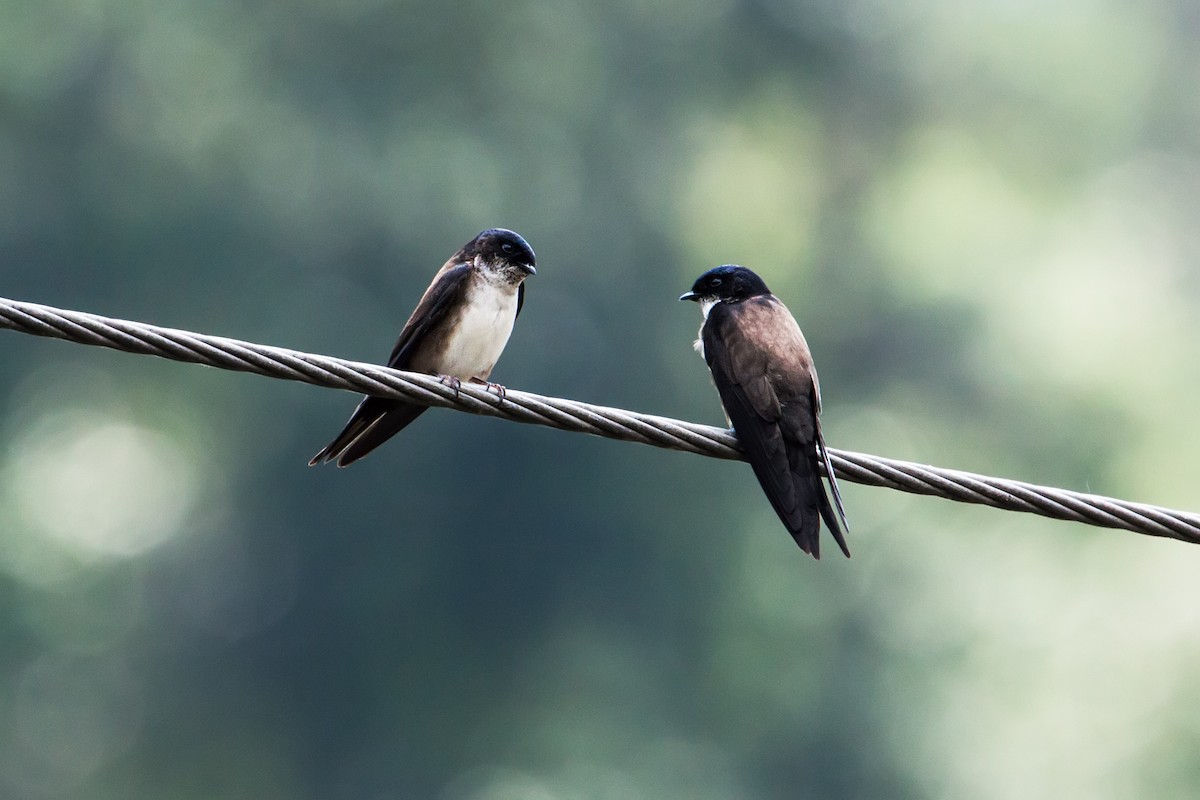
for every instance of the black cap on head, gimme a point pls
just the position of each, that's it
(501, 244)
(729, 282)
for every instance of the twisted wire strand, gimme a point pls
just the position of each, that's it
(572, 415)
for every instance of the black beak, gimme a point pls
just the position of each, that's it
(689, 296)
(528, 268)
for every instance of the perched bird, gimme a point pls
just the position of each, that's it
(764, 374)
(457, 331)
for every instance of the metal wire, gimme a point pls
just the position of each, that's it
(571, 415)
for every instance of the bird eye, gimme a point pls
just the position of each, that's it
(715, 282)
(506, 247)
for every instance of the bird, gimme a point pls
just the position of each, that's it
(457, 332)
(764, 374)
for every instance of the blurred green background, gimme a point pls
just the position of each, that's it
(984, 215)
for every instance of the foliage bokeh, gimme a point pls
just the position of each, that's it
(983, 215)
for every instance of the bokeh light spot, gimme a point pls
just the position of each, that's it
(101, 486)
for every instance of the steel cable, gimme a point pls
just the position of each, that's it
(572, 415)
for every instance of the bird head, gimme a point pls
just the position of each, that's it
(727, 284)
(502, 250)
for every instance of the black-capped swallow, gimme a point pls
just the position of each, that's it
(457, 331)
(764, 374)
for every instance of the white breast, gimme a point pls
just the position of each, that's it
(482, 331)
(706, 305)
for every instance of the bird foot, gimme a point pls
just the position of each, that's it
(452, 382)
(492, 387)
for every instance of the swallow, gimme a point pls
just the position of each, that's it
(457, 332)
(764, 374)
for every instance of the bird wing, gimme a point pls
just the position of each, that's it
(740, 371)
(377, 419)
(435, 304)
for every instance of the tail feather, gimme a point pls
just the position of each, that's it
(833, 513)
(373, 422)
(823, 452)
(353, 428)
(814, 505)
(798, 509)
(383, 428)
(835, 522)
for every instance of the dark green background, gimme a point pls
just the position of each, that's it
(984, 215)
